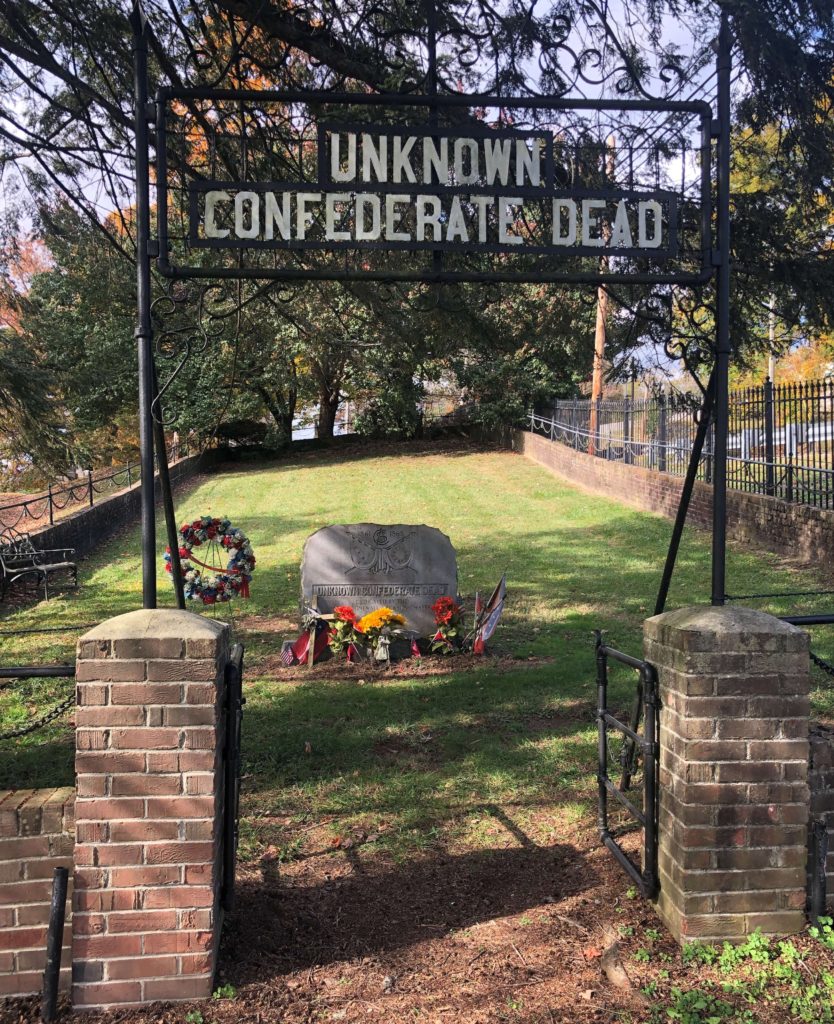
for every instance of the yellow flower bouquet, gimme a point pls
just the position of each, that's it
(377, 627)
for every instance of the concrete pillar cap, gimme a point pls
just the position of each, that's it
(157, 624)
(718, 619)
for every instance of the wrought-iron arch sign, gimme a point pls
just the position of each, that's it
(540, 199)
(304, 185)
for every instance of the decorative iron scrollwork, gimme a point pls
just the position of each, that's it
(185, 319)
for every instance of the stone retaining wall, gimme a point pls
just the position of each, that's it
(37, 835)
(800, 531)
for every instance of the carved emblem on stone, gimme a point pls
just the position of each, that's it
(384, 550)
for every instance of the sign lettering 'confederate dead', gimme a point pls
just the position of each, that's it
(400, 189)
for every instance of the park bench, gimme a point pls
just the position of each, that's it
(19, 559)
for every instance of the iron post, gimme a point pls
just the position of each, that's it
(167, 496)
(628, 457)
(683, 506)
(722, 325)
(144, 330)
(770, 476)
(602, 733)
(662, 433)
(648, 679)
(54, 944)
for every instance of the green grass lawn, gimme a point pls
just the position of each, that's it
(432, 766)
(574, 562)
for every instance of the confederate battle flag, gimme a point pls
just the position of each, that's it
(487, 616)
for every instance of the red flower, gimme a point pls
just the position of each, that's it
(168, 567)
(345, 613)
(197, 524)
(184, 552)
(445, 609)
(211, 532)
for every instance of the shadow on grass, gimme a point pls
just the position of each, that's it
(417, 753)
(39, 765)
(376, 909)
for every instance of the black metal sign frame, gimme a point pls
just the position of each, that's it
(432, 273)
(195, 188)
(714, 258)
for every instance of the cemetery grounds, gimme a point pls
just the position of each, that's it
(419, 843)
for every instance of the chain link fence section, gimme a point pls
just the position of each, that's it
(14, 674)
(821, 663)
(40, 723)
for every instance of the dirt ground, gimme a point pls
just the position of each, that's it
(505, 934)
(518, 934)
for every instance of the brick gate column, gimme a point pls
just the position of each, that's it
(148, 744)
(733, 784)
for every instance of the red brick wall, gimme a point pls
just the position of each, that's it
(150, 690)
(36, 836)
(733, 781)
(800, 531)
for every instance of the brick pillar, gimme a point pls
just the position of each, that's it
(148, 745)
(733, 786)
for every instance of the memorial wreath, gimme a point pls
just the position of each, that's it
(205, 580)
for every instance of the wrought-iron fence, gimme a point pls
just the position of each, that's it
(781, 437)
(61, 499)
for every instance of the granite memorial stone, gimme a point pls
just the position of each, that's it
(368, 566)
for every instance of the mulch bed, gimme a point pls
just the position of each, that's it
(466, 937)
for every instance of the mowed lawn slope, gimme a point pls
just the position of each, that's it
(574, 562)
(390, 816)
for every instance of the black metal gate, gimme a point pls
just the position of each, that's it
(635, 745)
(231, 773)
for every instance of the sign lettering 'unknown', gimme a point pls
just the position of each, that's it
(388, 188)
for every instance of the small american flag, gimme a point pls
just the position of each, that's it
(287, 655)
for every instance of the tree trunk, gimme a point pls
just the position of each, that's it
(282, 412)
(328, 407)
(602, 314)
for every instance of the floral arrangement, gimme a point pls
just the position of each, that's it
(209, 583)
(376, 627)
(448, 619)
(345, 631)
(372, 634)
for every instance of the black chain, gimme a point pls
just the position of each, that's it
(39, 723)
(826, 666)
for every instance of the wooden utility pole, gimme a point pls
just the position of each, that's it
(602, 310)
